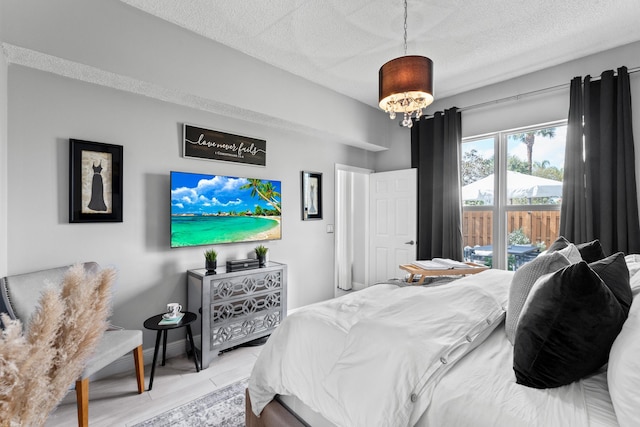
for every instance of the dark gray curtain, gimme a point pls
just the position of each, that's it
(435, 153)
(573, 218)
(600, 112)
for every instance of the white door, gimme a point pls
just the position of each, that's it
(393, 223)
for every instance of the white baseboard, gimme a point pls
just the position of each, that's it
(125, 364)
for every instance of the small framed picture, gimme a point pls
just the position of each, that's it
(95, 182)
(311, 195)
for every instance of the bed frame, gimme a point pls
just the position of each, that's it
(274, 414)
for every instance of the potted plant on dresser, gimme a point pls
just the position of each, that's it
(261, 254)
(211, 260)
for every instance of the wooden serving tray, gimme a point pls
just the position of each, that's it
(415, 270)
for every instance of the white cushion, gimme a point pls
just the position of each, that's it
(483, 253)
(111, 347)
(623, 371)
(633, 264)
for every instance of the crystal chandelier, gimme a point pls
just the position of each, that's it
(405, 84)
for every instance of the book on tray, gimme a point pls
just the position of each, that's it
(440, 264)
(171, 320)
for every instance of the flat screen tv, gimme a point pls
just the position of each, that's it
(215, 209)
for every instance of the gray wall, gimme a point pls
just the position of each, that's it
(3, 153)
(105, 72)
(150, 273)
(398, 156)
(119, 44)
(529, 110)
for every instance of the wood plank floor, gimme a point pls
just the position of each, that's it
(114, 401)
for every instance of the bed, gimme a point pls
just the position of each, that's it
(394, 355)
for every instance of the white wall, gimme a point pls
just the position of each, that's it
(529, 110)
(105, 72)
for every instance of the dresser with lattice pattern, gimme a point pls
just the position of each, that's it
(235, 307)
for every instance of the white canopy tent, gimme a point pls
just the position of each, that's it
(519, 185)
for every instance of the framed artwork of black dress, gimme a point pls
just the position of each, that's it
(95, 182)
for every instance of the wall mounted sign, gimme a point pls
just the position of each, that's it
(209, 144)
(311, 195)
(95, 182)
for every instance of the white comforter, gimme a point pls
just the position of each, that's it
(373, 357)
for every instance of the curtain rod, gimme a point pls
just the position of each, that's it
(531, 93)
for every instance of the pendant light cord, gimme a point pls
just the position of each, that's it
(405, 27)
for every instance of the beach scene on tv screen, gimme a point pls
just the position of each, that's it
(212, 209)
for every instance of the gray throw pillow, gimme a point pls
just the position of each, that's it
(572, 252)
(522, 282)
(591, 251)
(559, 243)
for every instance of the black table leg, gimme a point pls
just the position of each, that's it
(155, 358)
(155, 323)
(164, 347)
(193, 348)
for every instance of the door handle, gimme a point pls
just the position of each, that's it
(410, 242)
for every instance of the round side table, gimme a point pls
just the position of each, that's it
(152, 323)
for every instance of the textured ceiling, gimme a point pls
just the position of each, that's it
(341, 44)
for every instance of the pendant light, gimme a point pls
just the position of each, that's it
(405, 84)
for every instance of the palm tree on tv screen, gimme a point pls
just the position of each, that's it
(264, 190)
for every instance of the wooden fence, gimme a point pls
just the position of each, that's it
(538, 226)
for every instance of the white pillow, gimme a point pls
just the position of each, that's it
(623, 372)
(633, 264)
(634, 282)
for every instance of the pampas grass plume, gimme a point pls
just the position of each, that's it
(37, 367)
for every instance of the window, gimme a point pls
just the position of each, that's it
(512, 191)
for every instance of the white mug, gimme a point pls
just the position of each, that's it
(173, 309)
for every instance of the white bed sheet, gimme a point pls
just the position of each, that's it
(409, 336)
(480, 390)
